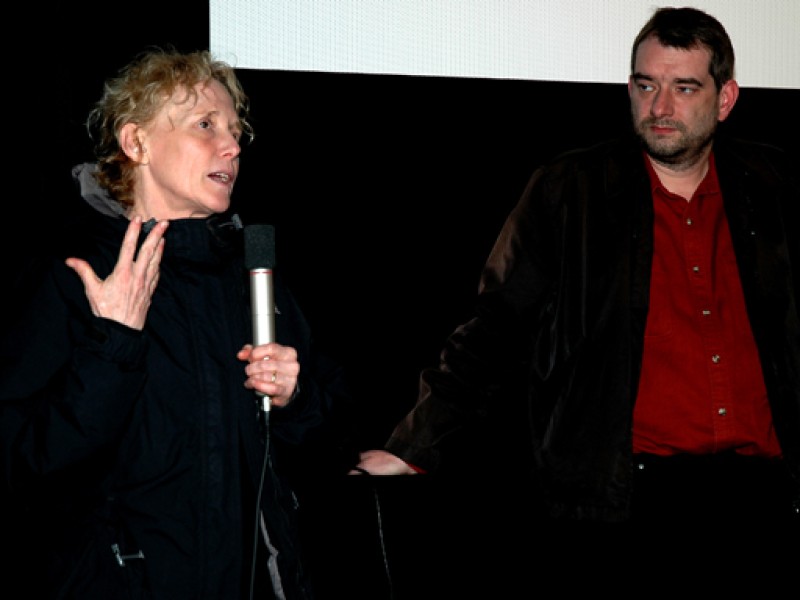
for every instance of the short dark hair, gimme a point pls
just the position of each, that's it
(690, 28)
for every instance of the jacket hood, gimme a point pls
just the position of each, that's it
(96, 196)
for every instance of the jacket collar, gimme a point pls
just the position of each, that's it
(197, 239)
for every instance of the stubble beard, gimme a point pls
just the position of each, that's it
(677, 153)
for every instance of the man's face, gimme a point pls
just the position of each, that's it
(675, 104)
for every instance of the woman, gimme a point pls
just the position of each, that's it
(132, 433)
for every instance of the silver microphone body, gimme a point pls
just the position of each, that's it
(262, 301)
(260, 260)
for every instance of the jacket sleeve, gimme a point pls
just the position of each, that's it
(68, 381)
(487, 357)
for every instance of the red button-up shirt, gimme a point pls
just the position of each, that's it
(701, 388)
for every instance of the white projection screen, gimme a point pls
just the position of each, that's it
(543, 40)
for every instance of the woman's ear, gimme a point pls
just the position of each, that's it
(129, 142)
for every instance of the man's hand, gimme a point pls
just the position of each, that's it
(381, 462)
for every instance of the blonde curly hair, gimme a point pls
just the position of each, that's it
(136, 95)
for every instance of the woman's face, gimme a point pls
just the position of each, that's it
(189, 155)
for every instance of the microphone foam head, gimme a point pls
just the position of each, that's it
(259, 246)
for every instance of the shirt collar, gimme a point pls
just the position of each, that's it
(709, 185)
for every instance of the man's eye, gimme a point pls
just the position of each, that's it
(204, 124)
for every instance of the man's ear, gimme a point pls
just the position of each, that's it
(727, 98)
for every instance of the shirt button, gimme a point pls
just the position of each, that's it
(722, 411)
(696, 269)
(706, 313)
(715, 358)
(689, 221)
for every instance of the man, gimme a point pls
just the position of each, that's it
(643, 296)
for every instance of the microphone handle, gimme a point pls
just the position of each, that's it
(262, 304)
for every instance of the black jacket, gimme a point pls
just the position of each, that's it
(560, 320)
(118, 441)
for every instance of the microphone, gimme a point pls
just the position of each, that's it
(259, 258)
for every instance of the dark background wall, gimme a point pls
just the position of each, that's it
(386, 192)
